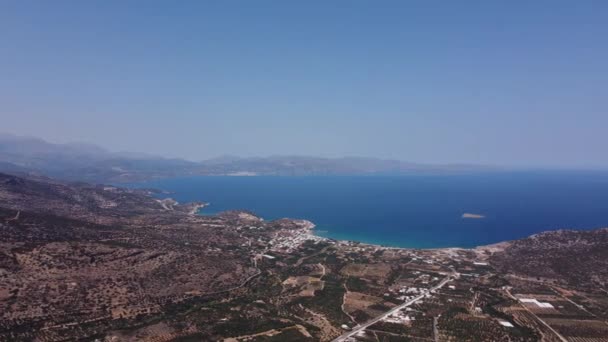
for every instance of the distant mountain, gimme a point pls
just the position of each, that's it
(90, 163)
(302, 165)
(13, 145)
(84, 162)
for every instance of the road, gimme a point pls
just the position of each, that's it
(558, 335)
(358, 328)
(435, 329)
(301, 260)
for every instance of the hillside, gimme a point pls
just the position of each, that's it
(85, 262)
(568, 257)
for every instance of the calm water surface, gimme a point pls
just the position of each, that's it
(412, 211)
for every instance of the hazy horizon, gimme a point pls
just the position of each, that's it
(507, 84)
(144, 155)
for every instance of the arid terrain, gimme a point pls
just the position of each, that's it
(101, 263)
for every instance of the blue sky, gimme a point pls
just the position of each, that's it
(520, 83)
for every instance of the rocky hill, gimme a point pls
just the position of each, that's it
(572, 257)
(75, 253)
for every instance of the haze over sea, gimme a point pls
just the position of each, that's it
(418, 211)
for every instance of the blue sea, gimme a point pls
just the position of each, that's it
(412, 211)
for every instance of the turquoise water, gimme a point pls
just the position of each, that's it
(412, 211)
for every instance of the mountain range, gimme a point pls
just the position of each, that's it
(91, 163)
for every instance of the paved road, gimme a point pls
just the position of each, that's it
(435, 329)
(358, 328)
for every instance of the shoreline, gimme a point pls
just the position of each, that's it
(310, 229)
(387, 246)
(405, 219)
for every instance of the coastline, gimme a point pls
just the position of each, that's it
(379, 242)
(197, 208)
(311, 230)
(407, 214)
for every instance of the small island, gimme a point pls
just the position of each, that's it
(472, 216)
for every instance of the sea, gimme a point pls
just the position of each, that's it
(414, 211)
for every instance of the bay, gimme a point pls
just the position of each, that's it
(416, 211)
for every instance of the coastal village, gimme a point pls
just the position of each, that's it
(433, 290)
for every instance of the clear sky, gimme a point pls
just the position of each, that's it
(494, 82)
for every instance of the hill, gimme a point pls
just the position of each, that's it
(566, 257)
